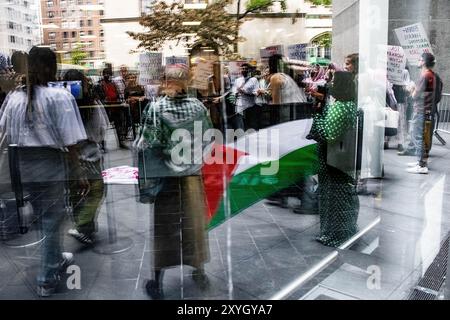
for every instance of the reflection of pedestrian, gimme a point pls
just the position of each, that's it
(95, 120)
(180, 207)
(402, 96)
(425, 105)
(42, 121)
(338, 200)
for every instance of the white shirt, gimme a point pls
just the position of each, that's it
(247, 99)
(55, 121)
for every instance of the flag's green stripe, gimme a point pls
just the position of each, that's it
(250, 187)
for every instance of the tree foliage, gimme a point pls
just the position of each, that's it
(77, 55)
(322, 2)
(324, 40)
(218, 29)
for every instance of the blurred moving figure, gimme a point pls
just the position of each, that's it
(87, 203)
(180, 236)
(46, 125)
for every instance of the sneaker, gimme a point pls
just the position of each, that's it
(412, 164)
(47, 289)
(418, 170)
(81, 237)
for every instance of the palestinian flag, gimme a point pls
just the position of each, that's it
(256, 166)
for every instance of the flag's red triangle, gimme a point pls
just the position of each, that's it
(217, 175)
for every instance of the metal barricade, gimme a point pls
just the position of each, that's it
(443, 118)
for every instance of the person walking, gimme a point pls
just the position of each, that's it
(45, 124)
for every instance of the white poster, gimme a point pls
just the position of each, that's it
(298, 52)
(234, 69)
(414, 41)
(396, 63)
(203, 70)
(150, 68)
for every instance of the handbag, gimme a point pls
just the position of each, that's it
(392, 119)
(149, 156)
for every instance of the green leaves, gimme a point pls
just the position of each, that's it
(165, 23)
(254, 5)
(321, 2)
(77, 55)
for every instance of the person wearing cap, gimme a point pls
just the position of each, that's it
(180, 236)
(421, 134)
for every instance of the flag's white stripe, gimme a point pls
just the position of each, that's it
(272, 144)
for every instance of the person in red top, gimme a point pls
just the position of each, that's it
(424, 96)
(109, 95)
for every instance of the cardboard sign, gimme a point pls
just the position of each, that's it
(267, 52)
(396, 63)
(414, 41)
(203, 70)
(234, 69)
(150, 68)
(298, 52)
(177, 60)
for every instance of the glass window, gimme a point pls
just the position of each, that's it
(334, 184)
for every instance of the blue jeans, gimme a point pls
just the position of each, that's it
(421, 134)
(49, 206)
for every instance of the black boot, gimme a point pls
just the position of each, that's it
(200, 278)
(154, 287)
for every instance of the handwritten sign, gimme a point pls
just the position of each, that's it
(267, 52)
(203, 71)
(150, 68)
(177, 60)
(396, 63)
(297, 52)
(234, 69)
(414, 41)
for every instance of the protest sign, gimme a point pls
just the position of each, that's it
(414, 41)
(298, 51)
(396, 63)
(150, 68)
(203, 70)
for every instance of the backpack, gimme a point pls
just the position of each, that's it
(438, 88)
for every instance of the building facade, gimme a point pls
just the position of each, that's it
(300, 23)
(19, 25)
(70, 25)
